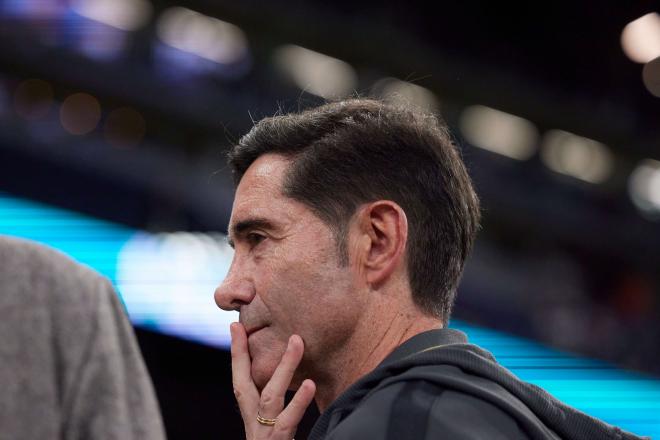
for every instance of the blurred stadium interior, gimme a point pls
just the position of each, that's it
(115, 117)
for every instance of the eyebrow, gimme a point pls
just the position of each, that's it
(239, 229)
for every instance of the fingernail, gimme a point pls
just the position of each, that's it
(292, 339)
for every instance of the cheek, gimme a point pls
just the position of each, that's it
(328, 314)
(308, 294)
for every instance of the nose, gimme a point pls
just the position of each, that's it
(234, 291)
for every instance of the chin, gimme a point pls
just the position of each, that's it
(264, 364)
(263, 369)
(261, 376)
(265, 353)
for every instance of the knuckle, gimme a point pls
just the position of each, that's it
(267, 398)
(237, 393)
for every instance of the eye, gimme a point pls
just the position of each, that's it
(254, 238)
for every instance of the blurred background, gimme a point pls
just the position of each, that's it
(116, 115)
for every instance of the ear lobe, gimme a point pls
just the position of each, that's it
(384, 227)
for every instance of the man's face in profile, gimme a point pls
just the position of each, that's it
(285, 277)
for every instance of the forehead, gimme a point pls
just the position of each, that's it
(259, 193)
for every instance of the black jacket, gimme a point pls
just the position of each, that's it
(437, 386)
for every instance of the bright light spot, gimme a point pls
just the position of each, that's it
(167, 282)
(80, 113)
(499, 132)
(204, 36)
(576, 156)
(127, 15)
(403, 92)
(640, 39)
(316, 73)
(644, 186)
(124, 127)
(33, 99)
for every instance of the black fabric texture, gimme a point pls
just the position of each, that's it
(443, 360)
(410, 413)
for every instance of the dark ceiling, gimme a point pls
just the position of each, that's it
(558, 63)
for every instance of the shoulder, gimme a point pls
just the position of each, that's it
(420, 409)
(21, 257)
(44, 294)
(34, 273)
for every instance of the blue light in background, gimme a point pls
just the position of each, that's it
(167, 283)
(94, 242)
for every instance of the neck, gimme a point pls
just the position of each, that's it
(381, 331)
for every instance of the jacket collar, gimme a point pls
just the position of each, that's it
(424, 341)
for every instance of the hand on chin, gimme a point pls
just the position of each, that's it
(261, 374)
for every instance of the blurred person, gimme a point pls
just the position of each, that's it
(351, 224)
(70, 367)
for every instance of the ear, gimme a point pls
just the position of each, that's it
(381, 240)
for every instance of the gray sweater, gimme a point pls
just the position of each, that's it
(70, 367)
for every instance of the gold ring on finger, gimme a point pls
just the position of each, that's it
(264, 421)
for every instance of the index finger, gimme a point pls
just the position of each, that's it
(281, 378)
(272, 396)
(245, 390)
